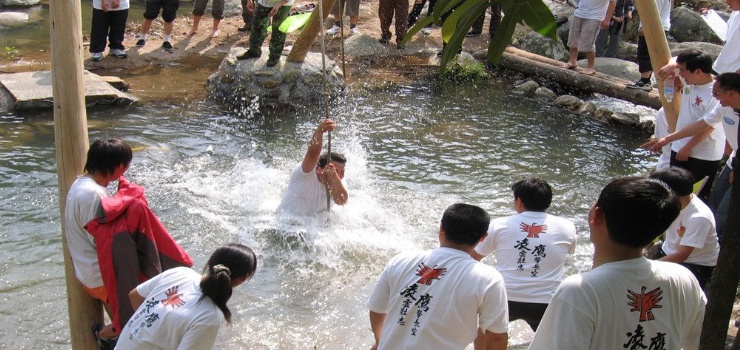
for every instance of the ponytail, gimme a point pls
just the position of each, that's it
(230, 262)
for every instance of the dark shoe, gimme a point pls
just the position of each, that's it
(472, 34)
(640, 85)
(272, 61)
(399, 46)
(103, 344)
(247, 27)
(140, 43)
(167, 46)
(384, 39)
(248, 54)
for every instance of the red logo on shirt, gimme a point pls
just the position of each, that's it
(681, 230)
(534, 230)
(645, 302)
(429, 273)
(173, 298)
(698, 101)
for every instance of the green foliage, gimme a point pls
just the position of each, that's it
(11, 51)
(461, 71)
(463, 13)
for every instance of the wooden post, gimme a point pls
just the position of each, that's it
(70, 136)
(308, 35)
(660, 54)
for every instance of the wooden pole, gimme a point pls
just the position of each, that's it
(308, 35)
(660, 54)
(70, 136)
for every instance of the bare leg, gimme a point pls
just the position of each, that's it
(354, 19)
(196, 23)
(167, 28)
(214, 32)
(145, 26)
(591, 62)
(573, 61)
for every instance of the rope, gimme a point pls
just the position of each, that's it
(326, 98)
(342, 4)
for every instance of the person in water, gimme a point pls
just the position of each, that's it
(317, 173)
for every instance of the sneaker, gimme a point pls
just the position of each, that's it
(354, 30)
(96, 56)
(471, 34)
(272, 61)
(248, 54)
(427, 30)
(247, 27)
(384, 39)
(103, 344)
(167, 46)
(120, 53)
(641, 85)
(333, 30)
(140, 43)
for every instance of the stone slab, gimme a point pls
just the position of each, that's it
(33, 90)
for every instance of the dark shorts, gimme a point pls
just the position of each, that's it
(168, 7)
(530, 312)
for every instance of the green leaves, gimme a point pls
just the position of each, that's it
(458, 17)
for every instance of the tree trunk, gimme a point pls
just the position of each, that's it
(70, 136)
(305, 39)
(723, 286)
(533, 64)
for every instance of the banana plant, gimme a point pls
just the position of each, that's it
(458, 16)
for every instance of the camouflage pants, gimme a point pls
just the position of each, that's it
(259, 29)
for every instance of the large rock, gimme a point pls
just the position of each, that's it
(617, 67)
(543, 46)
(364, 45)
(687, 25)
(19, 3)
(711, 49)
(627, 51)
(21, 18)
(245, 85)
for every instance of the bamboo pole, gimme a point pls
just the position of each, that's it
(660, 54)
(308, 35)
(70, 136)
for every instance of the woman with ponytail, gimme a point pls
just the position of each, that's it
(182, 309)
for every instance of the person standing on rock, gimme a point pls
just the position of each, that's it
(607, 41)
(169, 13)
(247, 15)
(590, 16)
(643, 55)
(264, 10)
(387, 10)
(352, 10)
(199, 8)
(108, 21)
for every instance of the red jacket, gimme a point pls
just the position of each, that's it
(133, 246)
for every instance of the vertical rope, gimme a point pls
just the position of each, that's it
(326, 98)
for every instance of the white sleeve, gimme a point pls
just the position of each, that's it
(564, 326)
(697, 230)
(494, 312)
(488, 245)
(146, 287)
(380, 296)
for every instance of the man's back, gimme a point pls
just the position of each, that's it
(633, 304)
(530, 249)
(433, 300)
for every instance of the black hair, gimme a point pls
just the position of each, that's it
(230, 262)
(104, 156)
(535, 194)
(695, 59)
(637, 209)
(335, 157)
(678, 179)
(729, 81)
(465, 223)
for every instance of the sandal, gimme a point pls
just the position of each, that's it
(103, 344)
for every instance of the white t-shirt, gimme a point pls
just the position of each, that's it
(305, 195)
(728, 61)
(272, 3)
(729, 120)
(436, 299)
(123, 5)
(530, 249)
(171, 317)
(694, 227)
(664, 11)
(592, 9)
(661, 130)
(697, 101)
(631, 302)
(83, 204)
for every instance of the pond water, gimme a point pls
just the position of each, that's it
(214, 178)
